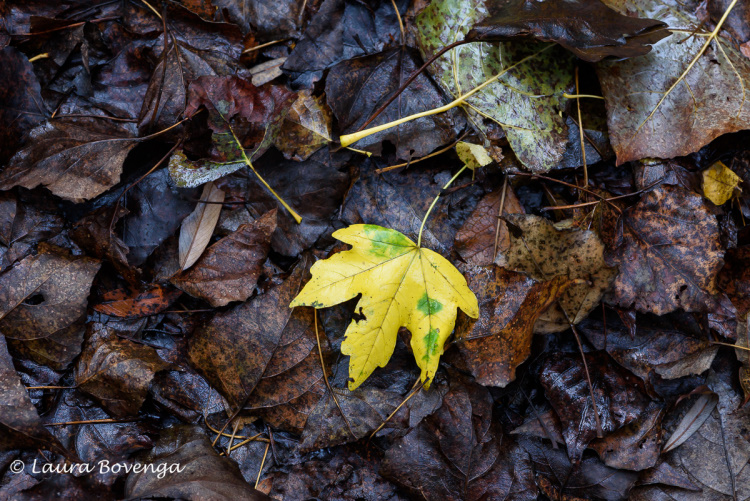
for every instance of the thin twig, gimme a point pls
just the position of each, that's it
(580, 130)
(417, 386)
(263, 462)
(412, 162)
(499, 217)
(264, 45)
(94, 421)
(400, 22)
(325, 376)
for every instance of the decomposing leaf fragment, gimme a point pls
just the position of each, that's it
(401, 285)
(720, 183)
(473, 155)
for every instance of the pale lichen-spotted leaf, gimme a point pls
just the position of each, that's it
(473, 155)
(526, 101)
(402, 285)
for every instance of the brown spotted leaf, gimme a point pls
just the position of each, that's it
(229, 269)
(510, 304)
(262, 354)
(668, 252)
(544, 251)
(124, 304)
(43, 303)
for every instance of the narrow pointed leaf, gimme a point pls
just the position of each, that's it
(198, 227)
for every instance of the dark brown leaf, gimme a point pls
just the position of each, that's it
(43, 302)
(76, 159)
(460, 453)
(620, 399)
(499, 340)
(668, 252)
(246, 351)
(475, 241)
(357, 87)
(22, 227)
(19, 421)
(637, 445)
(204, 474)
(229, 269)
(588, 28)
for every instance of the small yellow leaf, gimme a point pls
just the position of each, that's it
(402, 285)
(719, 183)
(473, 155)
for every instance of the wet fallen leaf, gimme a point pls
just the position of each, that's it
(473, 155)
(525, 102)
(76, 159)
(197, 228)
(229, 269)
(620, 399)
(509, 306)
(475, 241)
(668, 253)
(43, 302)
(122, 303)
(426, 296)
(306, 128)
(358, 87)
(545, 251)
(23, 226)
(588, 28)
(650, 114)
(719, 183)
(700, 411)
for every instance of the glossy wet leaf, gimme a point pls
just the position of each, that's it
(588, 28)
(306, 128)
(526, 101)
(645, 119)
(401, 285)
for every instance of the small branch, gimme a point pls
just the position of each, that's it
(415, 389)
(263, 45)
(412, 162)
(580, 131)
(263, 462)
(499, 216)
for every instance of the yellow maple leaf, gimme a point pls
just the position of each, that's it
(401, 285)
(719, 183)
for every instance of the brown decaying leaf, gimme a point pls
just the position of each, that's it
(620, 399)
(22, 227)
(636, 445)
(76, 159)
(306, 128)
(197, 228)
(509, 305)
(588, 28)
(476, 240)
(230, 268)
(246, 351)
(540, 249)
(701, 409)
(19, 421)
(43, 301)
(115, 371)
(93, 233)
(124, 304)
(668, 252)
(460, 452)
(203, 473)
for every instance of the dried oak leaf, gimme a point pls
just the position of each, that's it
(538, 248)
(261, 355)
(620, 398)
(460, 453)
(43, 303)
(117, 372)
(204, 474)
(19, 421)
(475, 241)
(588, 28)
(669, 252)
(510, 304)
(229, 269)
(649, 114)
(75, 158)
(357, 87)
(670, 347)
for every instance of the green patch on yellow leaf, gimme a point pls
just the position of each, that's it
(402, 285)
(719, 183)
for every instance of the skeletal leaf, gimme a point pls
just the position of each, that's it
(473, 155)
(719, 183)
(198, 227)
(402, 285)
